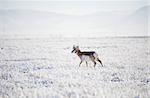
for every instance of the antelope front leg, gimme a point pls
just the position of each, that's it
(86, 64)
(80, 63)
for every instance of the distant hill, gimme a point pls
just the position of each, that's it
(44, 23)
(29, 21)
(137, 22)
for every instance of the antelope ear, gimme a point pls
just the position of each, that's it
(74, 47)
(77, 46)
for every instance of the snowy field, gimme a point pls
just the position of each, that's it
(46, 68)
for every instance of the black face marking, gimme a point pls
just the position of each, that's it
(72, 50)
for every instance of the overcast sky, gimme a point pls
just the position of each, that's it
(74, 7)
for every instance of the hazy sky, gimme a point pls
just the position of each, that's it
(74, 7)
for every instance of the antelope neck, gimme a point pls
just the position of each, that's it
(79, 53)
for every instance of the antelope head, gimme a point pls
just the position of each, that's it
(75, 49)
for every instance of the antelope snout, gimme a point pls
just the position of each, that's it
(72, 51)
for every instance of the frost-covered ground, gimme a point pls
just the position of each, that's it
(45, 68)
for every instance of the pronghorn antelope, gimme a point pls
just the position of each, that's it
(86, 56)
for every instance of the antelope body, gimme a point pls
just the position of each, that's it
(86, 56)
